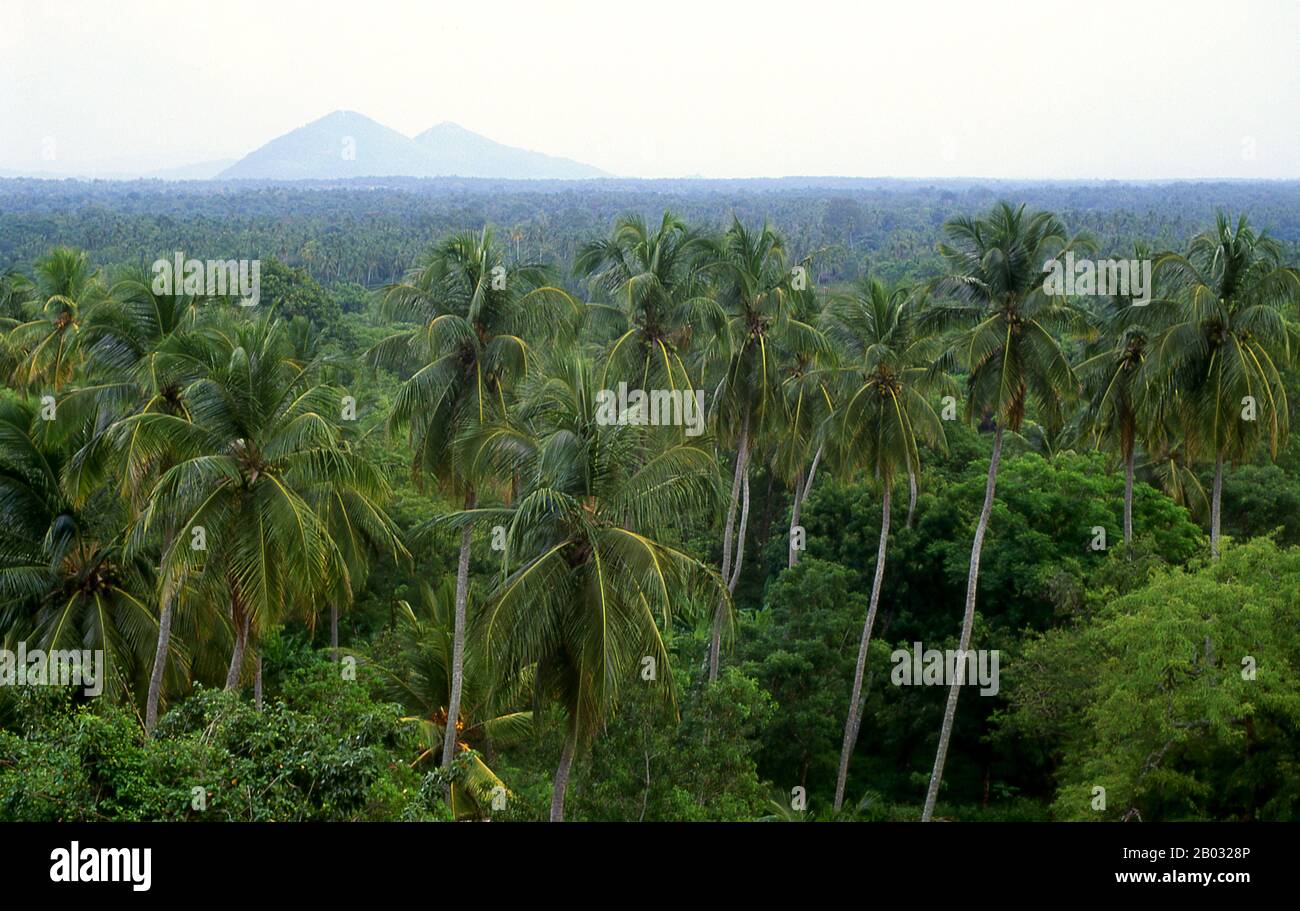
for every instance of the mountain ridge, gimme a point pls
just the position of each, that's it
(345, 144)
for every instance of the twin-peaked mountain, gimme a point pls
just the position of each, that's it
(347, 144)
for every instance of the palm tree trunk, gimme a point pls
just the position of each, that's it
(334, 631)
(855, 708)
(458, 642)
(1216, 499)
(812, 473)
(1128, 498)
(237, 656)
(742, 456)
(159, 666)
(740, 533)
(792, 552)
(911, 495)
(801, 490)
(972, 581)
(561, 785)
(257, 680)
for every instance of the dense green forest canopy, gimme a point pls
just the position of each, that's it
(370, 549)
(369, 232)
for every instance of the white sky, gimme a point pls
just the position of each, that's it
(718, 88)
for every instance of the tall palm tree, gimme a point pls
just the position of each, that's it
(65, 580)
(586, 573)
(1226, 335)
(1003, 322)
(475, 321)
(753, 285)
(236, 511)
(800, 443)
(884, 417)
(46, 346)
(659, 299)
(131, 367)
(1119, 391)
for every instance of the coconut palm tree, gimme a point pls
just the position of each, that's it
(658, 300)
(883, 417)
(753, 280)
(1119, 390)
(65, 579)
(236, 511)
(475, 320)
(589, 587)
(1227, 333)
(45, 347)
(131, 367)
(419, 679)
(799, 443)
(1002, 321)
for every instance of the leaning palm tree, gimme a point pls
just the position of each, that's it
(753, 285)
(589, 587)
(658, 299)
(1227, 334)
(885, 414)
(1003, 321)
(475, 322)
(235, 513)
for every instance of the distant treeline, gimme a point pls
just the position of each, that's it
(369, 231)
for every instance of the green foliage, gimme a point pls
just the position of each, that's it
(1153, 696)
(647, 767)
(324, 751)
(801, 649)
(174, 411)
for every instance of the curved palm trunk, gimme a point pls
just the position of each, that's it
(334, 631)
(972, 582)
(792, 552)
(1216, 499)
(812, 472)
(1128, 498)
(801, 490)
(159, 666)
(911, 495)
(854, 719)
(742, 458)
(161, 650)
(561, 785)
(740, 532)
(458, 642)
(241, 646)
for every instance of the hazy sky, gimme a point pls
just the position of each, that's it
(718, 88)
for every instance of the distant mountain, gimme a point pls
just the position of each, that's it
(461, 153)
(342, 144)
(347, 144)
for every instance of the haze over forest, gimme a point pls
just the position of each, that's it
(924, 89)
